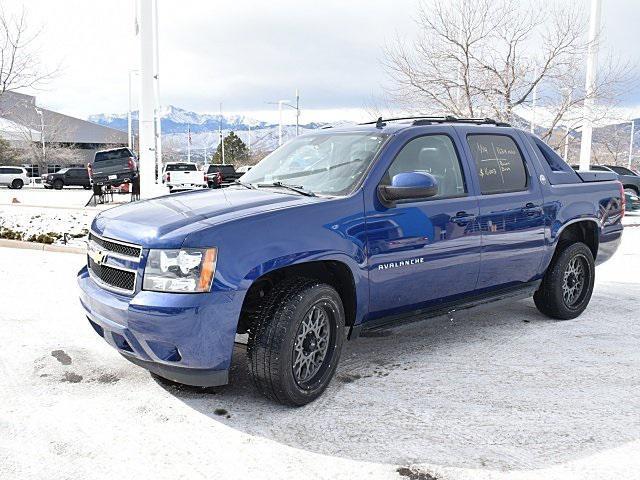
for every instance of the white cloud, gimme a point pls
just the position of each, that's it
(244, 52)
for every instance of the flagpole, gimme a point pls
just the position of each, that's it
(189, 144)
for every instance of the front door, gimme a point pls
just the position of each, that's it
(423, 253)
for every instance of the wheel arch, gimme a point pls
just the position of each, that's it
(585, 230)
(334, 272)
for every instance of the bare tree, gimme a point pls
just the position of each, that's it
(20, 65)
(487, 57)
(611, 145)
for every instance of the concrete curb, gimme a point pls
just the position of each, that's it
(40, 246)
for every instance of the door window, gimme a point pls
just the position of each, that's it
(434, 154)
(499, 164)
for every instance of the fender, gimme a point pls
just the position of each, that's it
(556, 233)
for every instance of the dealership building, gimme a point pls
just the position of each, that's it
(22, 122)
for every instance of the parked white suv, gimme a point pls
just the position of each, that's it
(13, 177)
(183, 176)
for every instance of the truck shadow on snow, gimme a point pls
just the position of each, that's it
(500, 389)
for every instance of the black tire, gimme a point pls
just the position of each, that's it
(17, 184)
(568, 283)
(58, 184)
(275, 347)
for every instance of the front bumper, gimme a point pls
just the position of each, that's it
(187, 338)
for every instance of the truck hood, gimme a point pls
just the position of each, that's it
(165, 222)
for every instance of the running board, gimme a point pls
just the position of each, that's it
(481, 301)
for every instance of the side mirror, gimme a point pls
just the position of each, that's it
(408, 186)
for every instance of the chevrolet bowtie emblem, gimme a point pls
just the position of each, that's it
(97, 256)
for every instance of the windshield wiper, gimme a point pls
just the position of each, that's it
(293, 188)
(246, 185)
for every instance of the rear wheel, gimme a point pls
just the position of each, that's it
(58, 184)
(17, 184)
(630, 191)
(296, 340)
(568, 283)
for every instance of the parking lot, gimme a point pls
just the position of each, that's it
(498, 393)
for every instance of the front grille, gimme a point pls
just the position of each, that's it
(116, 247)
(114, 277)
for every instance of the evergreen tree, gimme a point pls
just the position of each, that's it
(234, 150)
(7, 152)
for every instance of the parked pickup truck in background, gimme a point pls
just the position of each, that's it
(113, 167)
(220, 175)
(67, 177)
(341, 231)
(183, 176)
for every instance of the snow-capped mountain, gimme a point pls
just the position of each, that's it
(178, 120)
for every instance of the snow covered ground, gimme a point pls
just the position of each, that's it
(35, 211)
(503, 393)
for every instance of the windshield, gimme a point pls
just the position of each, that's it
(322, 163)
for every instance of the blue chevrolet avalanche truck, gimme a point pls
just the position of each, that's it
(341, 231)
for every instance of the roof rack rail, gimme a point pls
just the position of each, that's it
(427, 120)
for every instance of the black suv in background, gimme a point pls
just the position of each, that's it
(630, 181)
(67, 177)
(629, 178)
(219, 175)
(113, 167)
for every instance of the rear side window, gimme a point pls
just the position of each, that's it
(622, 171)
(181, 167)
(499, 164)
(553, 159)
(113, 154)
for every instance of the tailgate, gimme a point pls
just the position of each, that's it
(107, 167)
(186, 176)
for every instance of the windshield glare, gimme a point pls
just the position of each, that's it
(323, 163)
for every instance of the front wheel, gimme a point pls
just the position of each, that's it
(568, 284)
(295, 341)
(58, 184)
(17, 184)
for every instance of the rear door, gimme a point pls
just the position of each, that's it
(423, 253)
(4, 176)
(511, 214)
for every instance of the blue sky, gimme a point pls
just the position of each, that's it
(246, 53)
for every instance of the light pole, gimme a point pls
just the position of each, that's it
(631, 142)
(156, 91)
(220, 135)
(44, 153)
(249, 141)
(286, 103)
(590, 86)
(146, 99)
(534, 101)
(130, 112)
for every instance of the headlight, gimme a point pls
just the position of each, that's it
(188, 270)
